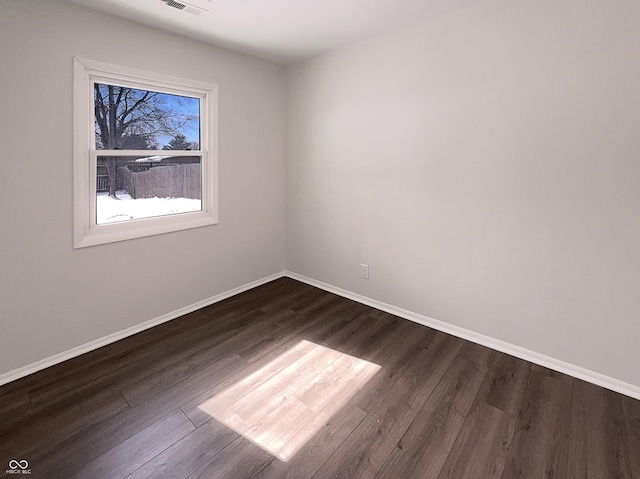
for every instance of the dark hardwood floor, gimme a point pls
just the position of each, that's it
(339, 389)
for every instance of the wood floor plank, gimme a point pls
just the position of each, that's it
(287, 297)
(631, 419)
(372, 440)
(309, 300)
(395, 359)
(286, 291)
(373, 338)
(250, 382)
(540, 444)
(321, 330)
(311, 306)
(179, 370)
(506, 381)
(132, 453)
(551, 373)
(58, 426)
(249, 377)
(280, 425)
(477, 353)
(90, 443)
(29, 413)
(137, 365)
(423, 449)
(19, 434)
(480, 445)
(284, 333)
(251, 408)
(354, 334)
(481, 448)
(597, 446)
(425, 369)
(317, 449)
(351, 335)
(14, 405)
(287, 429)
(387, 351)
(188, 454)
(330, 324)
(240, 460)
(337, 383)
(376, 436)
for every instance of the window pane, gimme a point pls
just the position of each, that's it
(132, 119)
(134, 187)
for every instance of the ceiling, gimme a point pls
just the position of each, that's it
(281, 31)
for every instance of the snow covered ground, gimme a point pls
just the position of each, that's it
(111, 210)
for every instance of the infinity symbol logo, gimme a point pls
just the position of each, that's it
(13, 464)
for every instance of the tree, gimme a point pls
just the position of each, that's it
(128, 118)
(138, 142)
(178, 142)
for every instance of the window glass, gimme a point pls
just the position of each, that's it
(147, 186)
(132, 119)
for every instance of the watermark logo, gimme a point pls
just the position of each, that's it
(18, 467)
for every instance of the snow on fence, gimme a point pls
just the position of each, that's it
(172, 181)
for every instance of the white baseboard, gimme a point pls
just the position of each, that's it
(493, 343)
(111, 338)
(508, 348)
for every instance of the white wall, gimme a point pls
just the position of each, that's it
(486, 165)
(54, 298)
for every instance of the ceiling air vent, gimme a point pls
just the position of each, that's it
(185, 7)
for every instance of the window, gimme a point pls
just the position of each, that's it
(145, 153)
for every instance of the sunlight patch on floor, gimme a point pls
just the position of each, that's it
(282, 405)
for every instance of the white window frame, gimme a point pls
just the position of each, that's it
(86, 231)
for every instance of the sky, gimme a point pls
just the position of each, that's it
(186, 106)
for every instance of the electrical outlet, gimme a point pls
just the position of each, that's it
(364, 271)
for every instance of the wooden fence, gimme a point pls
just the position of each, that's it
(172, 181)
(102, 180)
